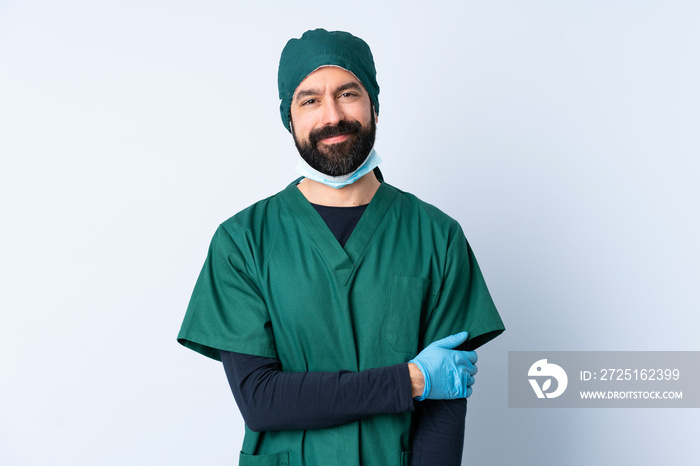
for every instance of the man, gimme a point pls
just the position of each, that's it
(335, 304)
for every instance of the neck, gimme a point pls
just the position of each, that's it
(358, 193)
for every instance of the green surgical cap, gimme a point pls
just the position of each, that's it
(319, 48)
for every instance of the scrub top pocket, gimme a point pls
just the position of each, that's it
(410, 302)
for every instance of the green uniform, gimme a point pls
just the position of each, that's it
(277, 283)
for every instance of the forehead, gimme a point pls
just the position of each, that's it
(327, 77)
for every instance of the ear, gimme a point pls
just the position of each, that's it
(374, 111)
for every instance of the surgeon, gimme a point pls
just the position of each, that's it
(345, 311)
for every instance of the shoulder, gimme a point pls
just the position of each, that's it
(410, 205)
(254, 217)
(251, 230)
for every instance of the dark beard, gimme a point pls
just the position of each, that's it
(342, 158)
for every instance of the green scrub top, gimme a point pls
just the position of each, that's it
(276, 283)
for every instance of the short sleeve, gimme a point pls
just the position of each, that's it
(464, 301)
(227, 311)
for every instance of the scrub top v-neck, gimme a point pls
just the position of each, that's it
(341, 259)
(341, 220)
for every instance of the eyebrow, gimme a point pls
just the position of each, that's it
(310, 92)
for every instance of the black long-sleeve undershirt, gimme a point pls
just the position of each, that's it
(271, 399)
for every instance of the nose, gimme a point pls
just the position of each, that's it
(332, 112)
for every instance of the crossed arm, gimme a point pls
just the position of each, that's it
(272, 399)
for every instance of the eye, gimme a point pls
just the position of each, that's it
(348, 94)
(309, 102)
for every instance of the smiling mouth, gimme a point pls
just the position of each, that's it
(335, 139)
(342, 133)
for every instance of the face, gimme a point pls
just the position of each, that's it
(333, 123)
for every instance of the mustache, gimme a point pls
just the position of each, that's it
(343, 127)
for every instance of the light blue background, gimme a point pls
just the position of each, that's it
(563, 135)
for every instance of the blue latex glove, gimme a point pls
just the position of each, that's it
(448, 373)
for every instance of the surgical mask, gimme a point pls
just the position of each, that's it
(370, 163)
